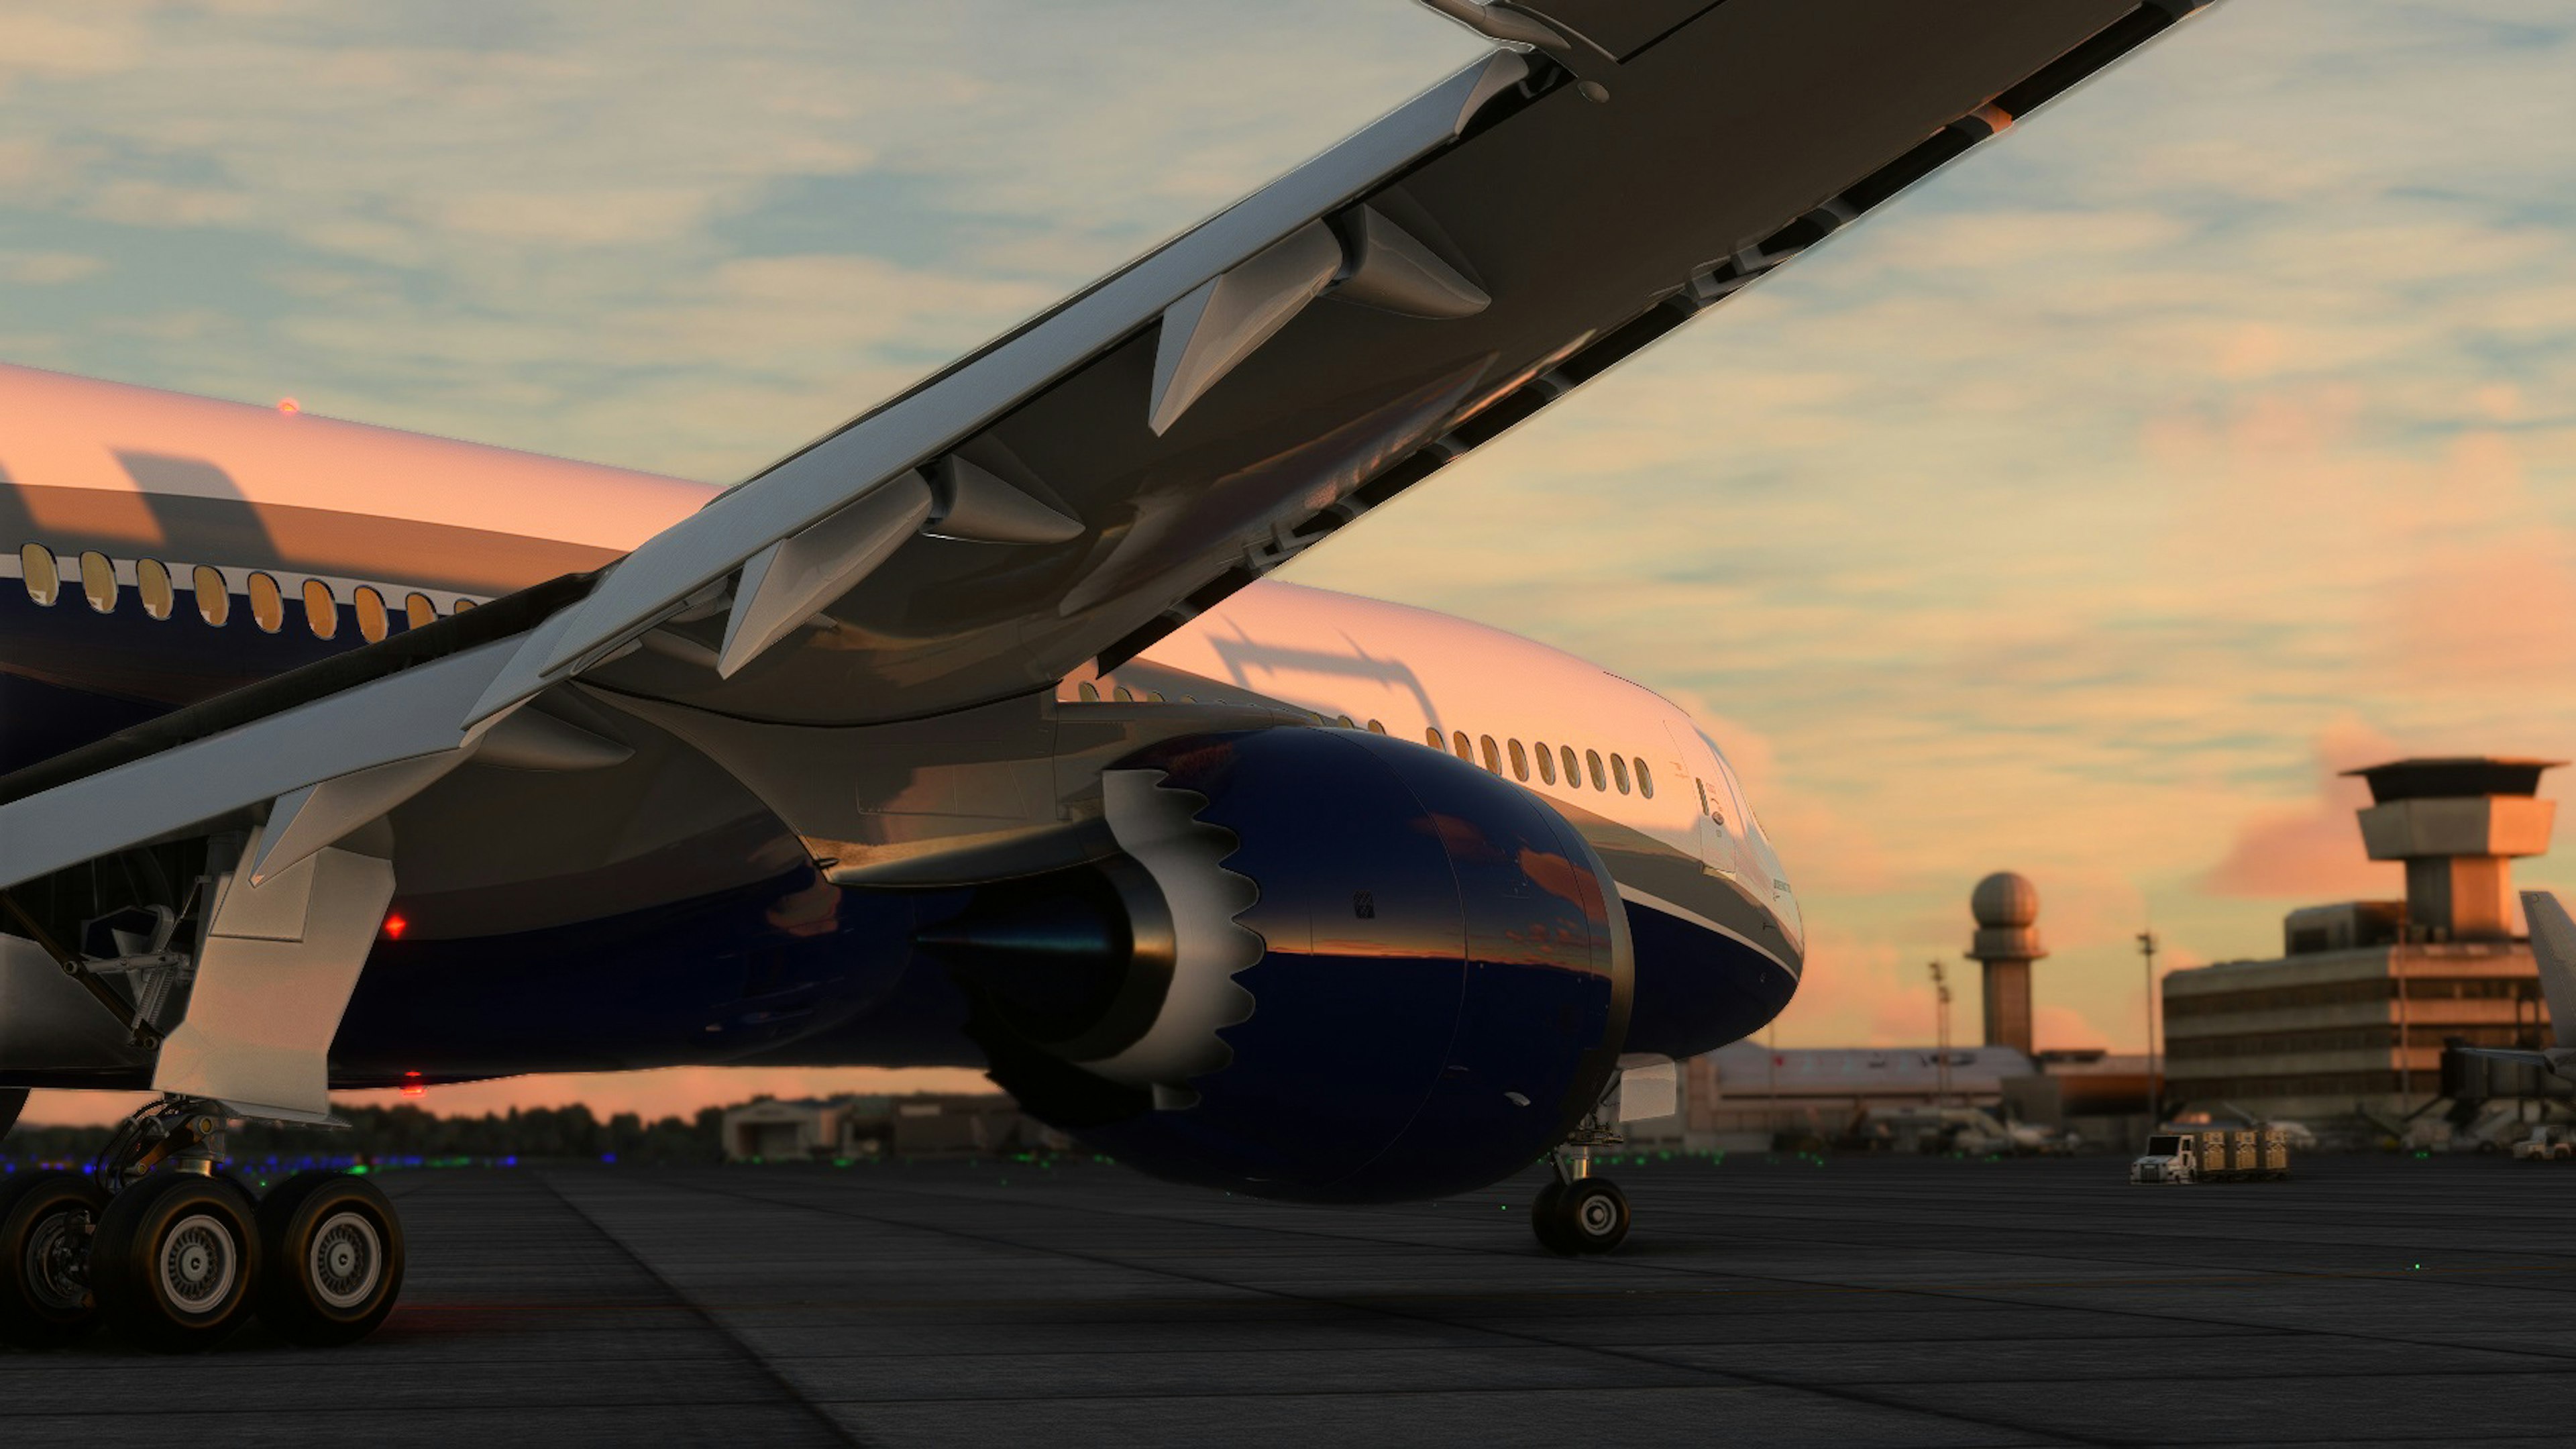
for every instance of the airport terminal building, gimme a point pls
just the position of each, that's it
(2350, 1020)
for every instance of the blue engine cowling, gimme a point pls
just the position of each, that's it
(1440, 990)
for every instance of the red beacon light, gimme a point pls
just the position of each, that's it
(413, 1086)
(395, 925)
(289, 406)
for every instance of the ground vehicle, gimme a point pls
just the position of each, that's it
(2169, 1158)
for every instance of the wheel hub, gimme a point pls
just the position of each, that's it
(53, 1261)
(198, 1264)
(346, 1261)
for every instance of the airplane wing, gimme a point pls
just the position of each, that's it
(1078, 488)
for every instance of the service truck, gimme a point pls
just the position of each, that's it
(2216, 1155)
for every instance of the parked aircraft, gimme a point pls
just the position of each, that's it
(968, 734)
(2553, 947)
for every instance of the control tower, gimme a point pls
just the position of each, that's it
(2007, 911)
(2456, 823)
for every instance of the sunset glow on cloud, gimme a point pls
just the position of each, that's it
(2083, 513)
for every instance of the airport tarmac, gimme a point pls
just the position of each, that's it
(1853, 1302)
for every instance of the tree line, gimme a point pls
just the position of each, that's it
(403, 1134)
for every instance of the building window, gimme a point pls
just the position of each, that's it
(418, 611)
(1593, 759)
(1090, 692)
(214, 596)
(98, 581)
(1573, 772)
(1645, 779)
(1546, 763)
(1520, 761)
(36, 569)
(1619, 771)
(152, 581)
(1458, 746)
(372, 619)
(267, 604)
(321, 609)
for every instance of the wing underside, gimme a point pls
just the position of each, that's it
(1080, 487)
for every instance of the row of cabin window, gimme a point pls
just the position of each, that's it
(1090, 694)
(44, 579)
(1616, 774)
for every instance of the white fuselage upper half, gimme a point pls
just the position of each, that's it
(132, 475)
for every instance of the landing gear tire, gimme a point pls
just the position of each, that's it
(1547, 1220)
(45, 1222)
(175, 1263)
(1588, 1215)
(334, 1252)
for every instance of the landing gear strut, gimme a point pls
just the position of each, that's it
(177, 1258)
(1578, 1213)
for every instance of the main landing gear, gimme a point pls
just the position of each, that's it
(1579, 1213)
(175, 1259)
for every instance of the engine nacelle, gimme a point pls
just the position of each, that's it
(1327, 965)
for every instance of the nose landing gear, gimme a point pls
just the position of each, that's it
(1578, 1213)
(178, 1259)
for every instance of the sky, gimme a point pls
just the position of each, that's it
(2081, 513)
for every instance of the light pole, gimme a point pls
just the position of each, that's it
(2155, 1082)
(1941, 1054)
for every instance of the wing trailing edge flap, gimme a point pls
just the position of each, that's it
(320, 771)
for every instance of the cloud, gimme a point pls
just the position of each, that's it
(47, 269)
(2313, 851)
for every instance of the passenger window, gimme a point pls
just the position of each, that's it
(418, 611)
(1645, 779)
(1619, 771)
(1458, 745)
(321, 609)
(1348, 723)
(1431, 737)
(372, 621)
(1493, 754)
(1376, 728)
(1126, 695)
(1156, 696)
(98, 581)
(1593, 759)
(1546, 763)
(1703, 798)
(1520, 761)
(1090, 692)
(214, 596)
(43, 578)
(1573, 772)
(461, 606)
(267, 604)
(152, 581)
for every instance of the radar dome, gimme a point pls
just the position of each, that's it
(2005, 901)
